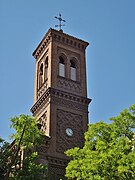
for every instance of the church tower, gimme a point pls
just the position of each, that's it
(60, 97)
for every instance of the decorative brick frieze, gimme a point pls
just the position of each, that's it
(56, 172)
(69, 40)
(43, 122)
(42, 102)
(61, 98)
(66, 120)
(42, 89)
(60, 37)
(70, 96)
(43, 45)
(67, 104)
(43, 149)
(57, 161)
(69, 85)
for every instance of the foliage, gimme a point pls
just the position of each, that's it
(32, 135)
(28, 136)
(108, 152)
(3, 157)
(30, 169)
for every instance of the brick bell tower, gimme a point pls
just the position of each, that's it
(60, 97)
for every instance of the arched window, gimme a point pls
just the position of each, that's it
(61, 67)
(46, 68)
(41, 79)
(72, 70)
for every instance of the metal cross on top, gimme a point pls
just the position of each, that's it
(60, 22)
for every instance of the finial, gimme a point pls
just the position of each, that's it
(60, 21)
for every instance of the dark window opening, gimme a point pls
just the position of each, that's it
(61, 60)
(41, 69)
(72, 64)
(41, 78)
(46, 68)
(61, 67)
(72, 70)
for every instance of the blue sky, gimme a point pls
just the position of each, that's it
(109, 27)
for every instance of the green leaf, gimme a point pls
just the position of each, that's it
(108, 152)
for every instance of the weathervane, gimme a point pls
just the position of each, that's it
(60, 22)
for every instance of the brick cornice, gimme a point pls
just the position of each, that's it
(60, 37)
(51, 94)
(70, 96)
(44, 99)
(42, 45)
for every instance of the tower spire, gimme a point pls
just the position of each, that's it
(60, 22)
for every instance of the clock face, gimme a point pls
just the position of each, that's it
(69, 132)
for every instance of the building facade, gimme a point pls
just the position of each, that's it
(60, 97)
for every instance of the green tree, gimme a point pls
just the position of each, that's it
(26, 129)
(27, 135)
(4, 154)
(30, 169)
(108, 152)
